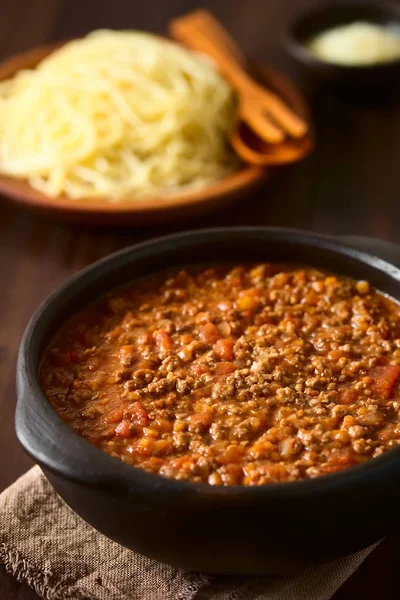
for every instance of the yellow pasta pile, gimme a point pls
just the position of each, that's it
(117, 115)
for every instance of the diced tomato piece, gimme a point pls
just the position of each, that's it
(233, 454)
(182, 462)
(251, 292)
(235, 281)
(224, 349)
(163, 340)
(275, 472)
(127, 350)
(247, 303)
(388, 432)
(162, 425)
(137, 414)
(199, 369)
(234, 277)
(200, 417)
(156, 462)
(261, 271)
(223, 368)
(209, 333)
(331, 468)
(203, 392)
(199, 421)
(385, 379)
(202, 317)
(232, 474)
(347, 395)
(143, 338)
(144, 447)
(114, 416)
(123, 430)
(186, 339)
(148, 446)
(339, 461)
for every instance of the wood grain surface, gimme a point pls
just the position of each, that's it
(349, 185)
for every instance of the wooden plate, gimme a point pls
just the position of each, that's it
(146, 211)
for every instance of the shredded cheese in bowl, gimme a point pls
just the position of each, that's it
(117, 115)
(357, 44)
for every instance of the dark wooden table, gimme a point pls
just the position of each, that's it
(350, 184)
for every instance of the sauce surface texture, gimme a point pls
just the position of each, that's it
(234, 375)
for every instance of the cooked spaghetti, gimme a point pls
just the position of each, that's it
(117, 115)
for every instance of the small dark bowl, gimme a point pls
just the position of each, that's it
(307, 26)
(244, 530)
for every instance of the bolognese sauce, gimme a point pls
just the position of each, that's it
(246, 374)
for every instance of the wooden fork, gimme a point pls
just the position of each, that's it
(266, 114)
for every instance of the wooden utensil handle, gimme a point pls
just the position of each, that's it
(202, 32)
(206, 20)
(206, 35)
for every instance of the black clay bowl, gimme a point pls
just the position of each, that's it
(307, 25)
(265, 529)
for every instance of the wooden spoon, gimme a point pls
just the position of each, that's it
(277, 134)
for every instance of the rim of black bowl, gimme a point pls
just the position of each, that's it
(303, 27)
(56, 446)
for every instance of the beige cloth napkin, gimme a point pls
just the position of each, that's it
(46, 545)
